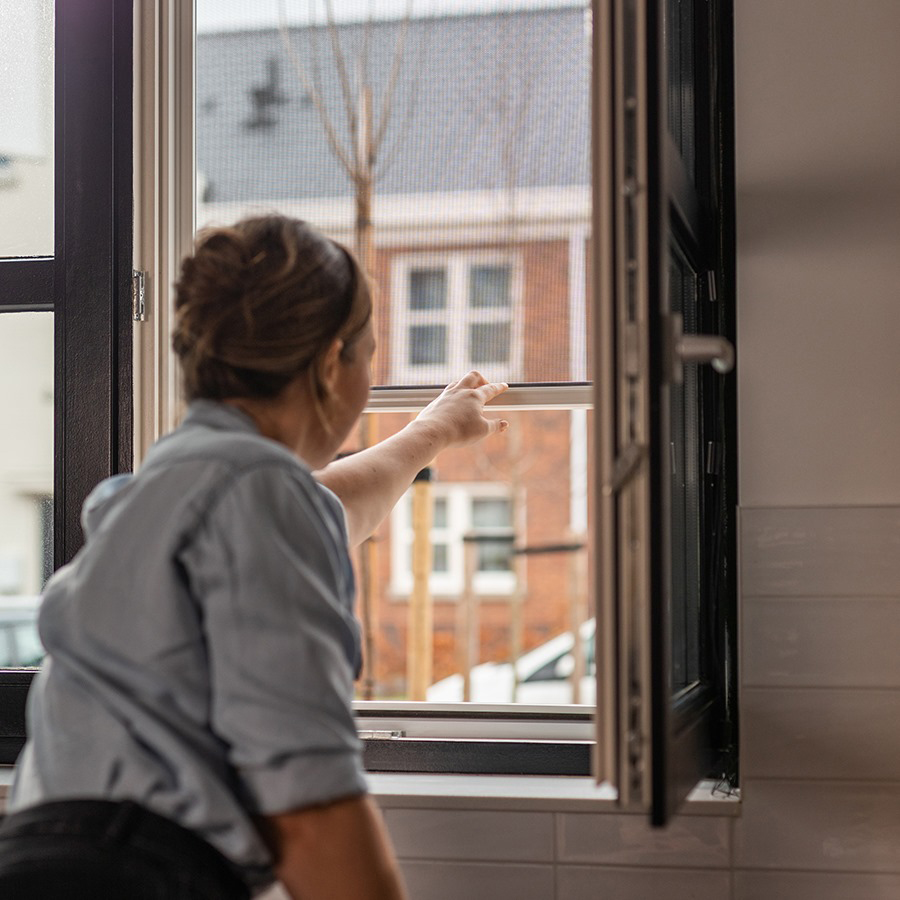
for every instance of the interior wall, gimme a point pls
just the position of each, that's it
(818, 207)
(818, 195)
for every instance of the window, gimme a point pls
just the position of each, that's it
(453, 153)
(65, 299)
(471, 205)
(666, 433)
(453, 314)
(479, 513)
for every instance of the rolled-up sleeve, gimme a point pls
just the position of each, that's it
(267, 566)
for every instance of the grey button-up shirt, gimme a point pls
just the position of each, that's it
(202, 645)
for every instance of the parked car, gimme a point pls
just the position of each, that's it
(20, 645)
(545, 676)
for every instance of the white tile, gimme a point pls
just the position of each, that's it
(477, 881)
(818, 826)
(849, 734)
(820, 552)
(629, 840)
(809, 886)
(829, 643)
(471, 835)
(605, 883)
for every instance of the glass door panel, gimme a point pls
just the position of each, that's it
(26, 480)
(26, 128)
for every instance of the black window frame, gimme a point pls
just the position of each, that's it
(694, 732)
(86, 284)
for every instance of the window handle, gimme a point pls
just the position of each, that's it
(714, 349)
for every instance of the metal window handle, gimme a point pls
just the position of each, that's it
(706, 348)
(697, 348)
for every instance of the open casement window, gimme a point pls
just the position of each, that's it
(65, 301)
(453, 153)
(665, 532)
(432, 146)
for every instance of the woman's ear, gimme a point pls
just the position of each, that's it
(330, 366)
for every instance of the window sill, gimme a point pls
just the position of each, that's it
(525, 793)
(503, 792)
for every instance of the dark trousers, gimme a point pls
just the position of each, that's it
(104, 850)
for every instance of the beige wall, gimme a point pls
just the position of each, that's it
(818, 192)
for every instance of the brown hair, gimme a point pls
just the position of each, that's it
(259, 302)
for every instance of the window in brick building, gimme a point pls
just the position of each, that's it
(454, 313)
(480, 510)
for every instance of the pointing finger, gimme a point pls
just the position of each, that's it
(491, 389)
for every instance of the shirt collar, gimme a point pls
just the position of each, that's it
(222, 416)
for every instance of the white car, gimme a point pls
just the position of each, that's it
(545, 676)
(20, 645)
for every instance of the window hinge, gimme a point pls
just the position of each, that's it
(711, 290)
(380, 735)
(713, 458)
(138, 295)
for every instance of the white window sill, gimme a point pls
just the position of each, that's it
(525, 793)
(500, 792)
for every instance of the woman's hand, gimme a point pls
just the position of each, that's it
(456, 415)
(370, 482)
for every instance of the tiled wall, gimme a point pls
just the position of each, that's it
(820, 704)
(454, 854)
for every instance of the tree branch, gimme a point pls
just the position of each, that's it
(344, 78)
(313, 91)
(396, 64)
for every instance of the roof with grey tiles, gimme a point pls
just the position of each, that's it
(482, 102)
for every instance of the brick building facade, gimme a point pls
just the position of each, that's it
(481, 224)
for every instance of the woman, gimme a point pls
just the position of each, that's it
(190, 733)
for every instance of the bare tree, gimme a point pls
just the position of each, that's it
(361, 156)
(360, 153)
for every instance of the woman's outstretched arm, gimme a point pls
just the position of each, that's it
(369, 483)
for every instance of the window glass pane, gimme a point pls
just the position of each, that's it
(489, 286)
(440, 512)
(489, 342)
(427, 289)
(530, 488)
(491, 513)
(494, 556)
(26, 477)
(682, 78)
(468, 196)
(440, 561)
(686, 485)
(427, 345)
(26, 128)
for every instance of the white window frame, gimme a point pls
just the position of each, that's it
(459, 497)
(457, 313)
(165, 195)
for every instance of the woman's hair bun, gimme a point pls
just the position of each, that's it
(258, 302)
